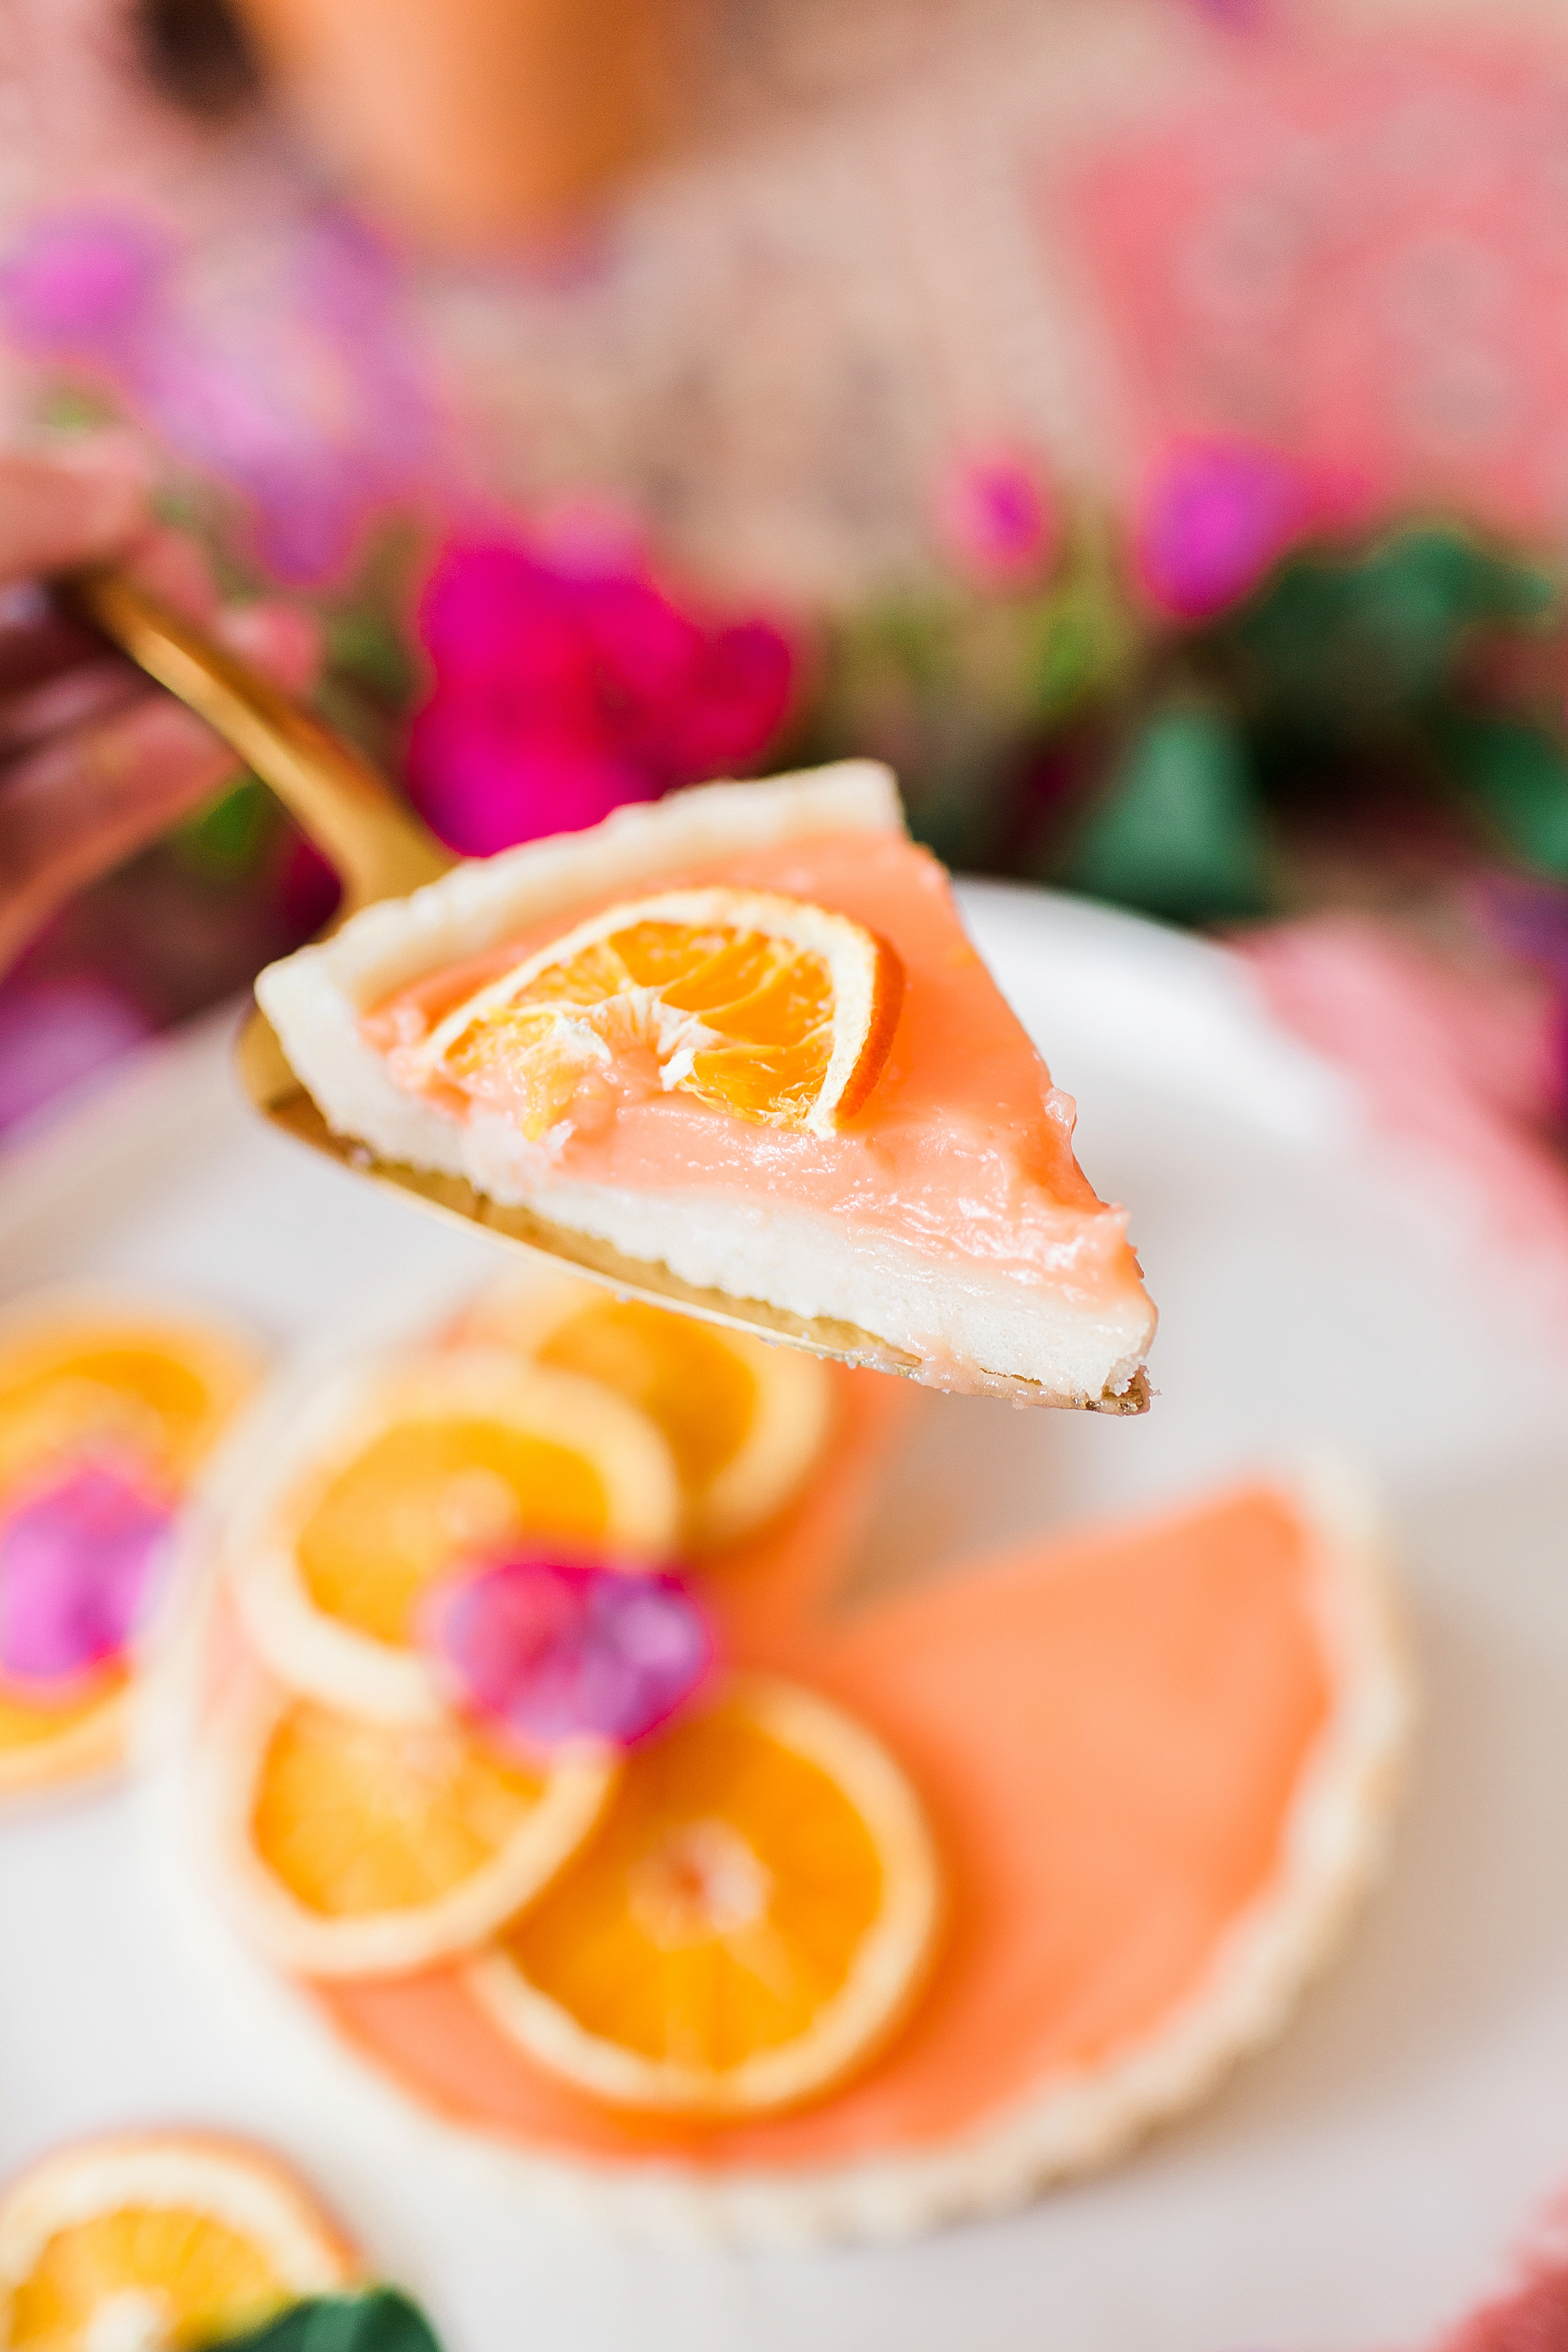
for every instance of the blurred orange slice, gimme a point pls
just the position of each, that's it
(45, 1746)
(157, 2239)
(346, 1848)
(398, 1474)
(765, 1007)
(76, 1374)
(748, 1925)
(745, 1421)
(85, 1377)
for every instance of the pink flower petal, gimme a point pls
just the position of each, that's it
(78, 1560)
(557, 1650)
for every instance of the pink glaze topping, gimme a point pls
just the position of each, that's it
(78, 1560)
(962, 1148)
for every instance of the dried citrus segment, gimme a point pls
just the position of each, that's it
(75, 1376)
(399, 1476)
(159, 2239)
(743, 1421)
(768, 1008)
(746, 1927)
(351, 1848)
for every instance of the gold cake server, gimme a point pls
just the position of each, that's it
(380, 850)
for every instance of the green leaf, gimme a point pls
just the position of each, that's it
(382, 2320)
(1347, 645)
(365, 645)
(225, 838)
(1516, 777)
(1179, 833)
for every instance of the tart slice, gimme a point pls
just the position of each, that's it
(741, 1038)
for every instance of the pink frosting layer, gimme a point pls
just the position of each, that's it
(963, 1148)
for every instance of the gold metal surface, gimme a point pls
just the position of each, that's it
(381, 851)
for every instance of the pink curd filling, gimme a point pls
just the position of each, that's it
(963, 1148)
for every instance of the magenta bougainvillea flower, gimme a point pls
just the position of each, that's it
(551, 1650)
(999, 519)
(79, 1560)
(1218, 513)
(561, 688)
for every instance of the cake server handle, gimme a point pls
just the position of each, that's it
(378, 847)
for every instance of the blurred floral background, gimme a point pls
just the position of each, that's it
(1143, 423)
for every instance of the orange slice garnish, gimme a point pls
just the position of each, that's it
(400, 1473)
(768, 1008)
(345, 1848)
(748, 1925)
(745, 1421)
(158, 2238)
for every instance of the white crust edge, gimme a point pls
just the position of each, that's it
(1334, 1848)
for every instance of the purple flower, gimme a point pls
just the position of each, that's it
(561, 690)
(1218, 513)
(555, 1650)
(85, 285)
(998, 518)
(79, 1561)
(293, 377)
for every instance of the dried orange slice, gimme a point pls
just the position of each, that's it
(158, 2238)
(346, 1848)
(399, 1474)
(743, 1421)
(769, 1008)
(747, 1926)
(76, 1372)
(105, 1392)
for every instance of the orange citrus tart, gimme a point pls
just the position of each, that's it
(876, 1913)
(741, 1036)
(1159, 1762)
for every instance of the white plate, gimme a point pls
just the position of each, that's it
(1357, 2184)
